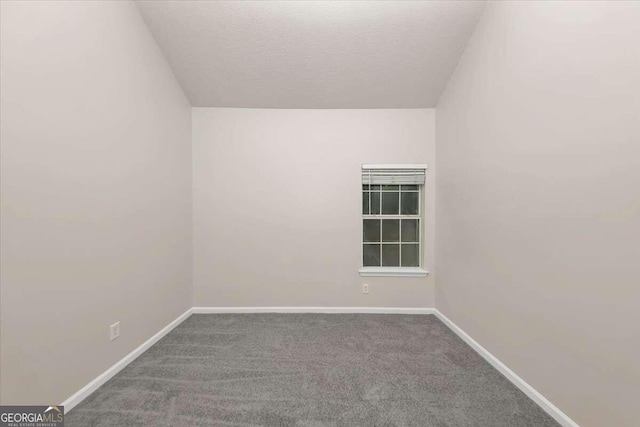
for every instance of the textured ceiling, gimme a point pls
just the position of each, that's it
(312, 54)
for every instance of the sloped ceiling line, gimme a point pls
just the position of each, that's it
(312, 54)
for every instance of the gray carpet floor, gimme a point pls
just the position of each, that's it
(309, 370)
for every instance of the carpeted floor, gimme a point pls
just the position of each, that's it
(309, 370)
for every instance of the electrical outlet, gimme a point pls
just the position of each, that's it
(365, 288)
(114, 331)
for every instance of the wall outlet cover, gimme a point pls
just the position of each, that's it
(114, 331)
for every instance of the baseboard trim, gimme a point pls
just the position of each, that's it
(84, 392)
(527, 389)
(562, 418)
(328, 310)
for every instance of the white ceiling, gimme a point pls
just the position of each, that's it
(312, 54)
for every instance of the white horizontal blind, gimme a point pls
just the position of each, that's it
(393, 174)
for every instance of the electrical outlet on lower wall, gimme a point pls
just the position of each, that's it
(365, 288)
(114, 331)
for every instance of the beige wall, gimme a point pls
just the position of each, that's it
(95, 152)
(277, 205)
(538, 200)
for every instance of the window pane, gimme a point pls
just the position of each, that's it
(390, 188)
(375, 203)
(371, 255)
(390, 203)
(410, 230)
(409, 188)
(410, 255)
(390, 255)
(371, 230)
(365, 203)
(390, 230)
(410, 203)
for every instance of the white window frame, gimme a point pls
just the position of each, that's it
(395, 271)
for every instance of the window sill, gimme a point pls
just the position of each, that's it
(393, 272)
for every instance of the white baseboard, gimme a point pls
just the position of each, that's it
(371, 310)
(562, 418)
(527, 389)
(84, 392)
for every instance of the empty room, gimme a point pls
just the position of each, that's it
(319, 213)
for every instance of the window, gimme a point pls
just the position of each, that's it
(392, 219)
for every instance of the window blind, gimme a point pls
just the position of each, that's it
(393, 174)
